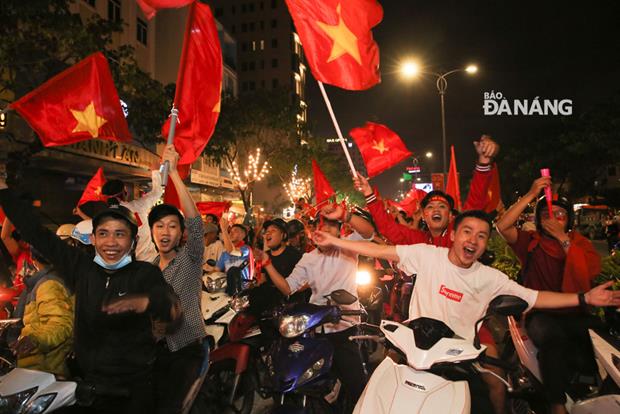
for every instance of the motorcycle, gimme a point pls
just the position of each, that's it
(300, 361)
(433, 379)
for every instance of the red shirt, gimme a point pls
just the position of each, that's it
(542, 271)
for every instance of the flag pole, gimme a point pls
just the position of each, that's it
(335, 121)
(165, 167)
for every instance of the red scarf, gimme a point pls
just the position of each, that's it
(582, 264)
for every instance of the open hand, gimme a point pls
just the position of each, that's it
(332, 211)
(129, 303)
(600, 296)
(323, 239)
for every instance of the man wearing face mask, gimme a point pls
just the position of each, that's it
(557, 259)
(116, 300)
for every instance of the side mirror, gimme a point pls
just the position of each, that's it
(342, 297)
(507, 305)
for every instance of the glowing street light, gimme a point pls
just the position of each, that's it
(429, 154)
(410, 69)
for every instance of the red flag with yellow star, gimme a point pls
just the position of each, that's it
(322, 187)
(381, 148)
(92, 192)
(453, 188)
(199, 85)
(150, 7)
(337, 39)
(78, 104)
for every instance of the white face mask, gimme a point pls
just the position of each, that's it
(122, 262)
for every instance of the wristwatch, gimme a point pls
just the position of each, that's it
(582, 300)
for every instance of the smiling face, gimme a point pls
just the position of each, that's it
(112, 239)
(273, 237)
(167, 233)
(469, 241)
(437, 215)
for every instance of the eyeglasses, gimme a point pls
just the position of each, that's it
(559, 215)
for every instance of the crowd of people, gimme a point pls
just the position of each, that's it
(121, 291)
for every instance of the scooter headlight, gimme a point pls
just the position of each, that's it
(216, 285)
(362, 278)
(15, 403)
(312, 372)
(40, 404)
(292, 326)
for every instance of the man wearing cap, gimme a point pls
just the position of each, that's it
(116, 300)
(436, 206)
(554, 258)
(213, 246)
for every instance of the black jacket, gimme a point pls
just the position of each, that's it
(118, 346)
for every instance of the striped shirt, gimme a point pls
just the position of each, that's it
(184, 274)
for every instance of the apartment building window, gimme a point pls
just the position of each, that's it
(114, 10)
(274, 23)
(262, 64)
(262, 45)
(274, 4)
(244, 46)
(252, 85)
(274, 83)
(252, 66)
(233, 29)
(244, 27)
(274, 63)
(262, 84)
(261, 5)
(262, 25)
(141, 31)
(92, 3)
(252, 27)
(244, 86)
(274, 43)
(233, 10)
(219, 12)
(253, 45)
(244, 67)
(244, 8)
(251, 7)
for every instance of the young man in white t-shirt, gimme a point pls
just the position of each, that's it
(452, 286)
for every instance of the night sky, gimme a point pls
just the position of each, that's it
(524, 49)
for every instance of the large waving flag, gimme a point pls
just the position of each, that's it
(322, 187)
(213, 207)
(199, 85)
(78, 104)
(150, 7)
(337, 40)
(381, 148)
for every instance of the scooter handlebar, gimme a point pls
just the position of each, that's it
(375, 338)
(352, 312)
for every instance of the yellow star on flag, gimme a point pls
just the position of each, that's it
(345, 42)
(379, 146)
(88, 120)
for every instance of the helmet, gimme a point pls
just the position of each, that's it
(82, 231)
(294, 227)
(280, 224)
(560, 202)
(118, 212)
(64, 231)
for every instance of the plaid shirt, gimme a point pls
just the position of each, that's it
(184, 274)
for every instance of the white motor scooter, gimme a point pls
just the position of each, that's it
(432, 352)
(215, 305)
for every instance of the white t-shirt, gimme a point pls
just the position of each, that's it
(454, 295)
(212, 252)
(325, 273)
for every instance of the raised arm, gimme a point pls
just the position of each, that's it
(363, 248)
(599, 296)
(506, 224)
(148, 200)
(7, 237)
(487, 150)
(360, 225)
(228, 246)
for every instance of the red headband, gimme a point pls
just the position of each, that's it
(440, 198)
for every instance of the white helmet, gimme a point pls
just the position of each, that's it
(64, 231)
(82, 231)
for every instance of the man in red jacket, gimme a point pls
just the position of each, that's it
(437, 206)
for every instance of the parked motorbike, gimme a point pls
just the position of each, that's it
(433, 379)
(300, 361)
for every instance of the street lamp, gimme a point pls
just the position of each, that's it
(410, 69)
(429, 154)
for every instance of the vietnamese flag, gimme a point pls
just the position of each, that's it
(150, 7)
(494, 192)
(411, 203)
(92, 192)
(322, 187)
(213, 207)
(199, 84)
(453, 189)
(381, 148)
(337, 39)
(78, 104)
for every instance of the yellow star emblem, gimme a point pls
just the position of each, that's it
(379, 146)
(345, 42)
(88, 120)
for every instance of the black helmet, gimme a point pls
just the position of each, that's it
(280, 224)
(119, 212)
(294, 227)
(560, 202)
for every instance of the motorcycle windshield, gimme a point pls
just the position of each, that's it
(427, 332)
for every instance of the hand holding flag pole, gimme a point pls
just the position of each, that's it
(338, 131)
(165, 166)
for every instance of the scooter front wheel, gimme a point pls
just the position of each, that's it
(216, 395)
